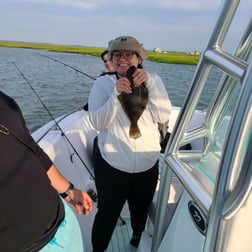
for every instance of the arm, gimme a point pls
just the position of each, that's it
(79, 199)
(103, 103)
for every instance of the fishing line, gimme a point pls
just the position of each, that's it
(77, 70)
(56, 123)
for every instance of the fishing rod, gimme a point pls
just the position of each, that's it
(90, 192)
(75, 69)
(56, 123)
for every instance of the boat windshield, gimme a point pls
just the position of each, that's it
(205, 170)
(199, 168)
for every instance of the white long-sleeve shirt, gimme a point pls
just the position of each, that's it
(108, 117)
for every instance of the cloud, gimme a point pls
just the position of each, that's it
(86, 5)
(166, 4)
(188, 5)
(158, 4)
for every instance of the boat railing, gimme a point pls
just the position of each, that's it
(236, 69)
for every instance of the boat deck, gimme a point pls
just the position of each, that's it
(120, 241)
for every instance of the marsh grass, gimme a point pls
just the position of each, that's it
(168, 57)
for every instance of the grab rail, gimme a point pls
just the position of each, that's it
(231, 65)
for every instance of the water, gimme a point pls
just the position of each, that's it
(63, 90)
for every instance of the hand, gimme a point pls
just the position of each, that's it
(123, 85)
(81, 201)
(140, 76)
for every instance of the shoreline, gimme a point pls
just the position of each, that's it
(159, 57)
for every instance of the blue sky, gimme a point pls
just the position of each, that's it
(173, 25)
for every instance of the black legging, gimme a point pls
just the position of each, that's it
(114, 187)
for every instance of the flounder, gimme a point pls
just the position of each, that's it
(134, 103)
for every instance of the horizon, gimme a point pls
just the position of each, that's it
(77, 46)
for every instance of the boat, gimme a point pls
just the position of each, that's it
(203, 201)
(68, 140)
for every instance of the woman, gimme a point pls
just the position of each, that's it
(107, 63)
(125, 168)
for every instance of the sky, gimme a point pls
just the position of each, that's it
(171, 25)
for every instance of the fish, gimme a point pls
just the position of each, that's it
(134, 103)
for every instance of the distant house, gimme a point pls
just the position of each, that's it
(195, 53)
(156, 49)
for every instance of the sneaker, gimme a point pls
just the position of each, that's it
(134, 241)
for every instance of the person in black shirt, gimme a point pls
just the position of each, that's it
(31, 210)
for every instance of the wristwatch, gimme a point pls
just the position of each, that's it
(68, 191)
